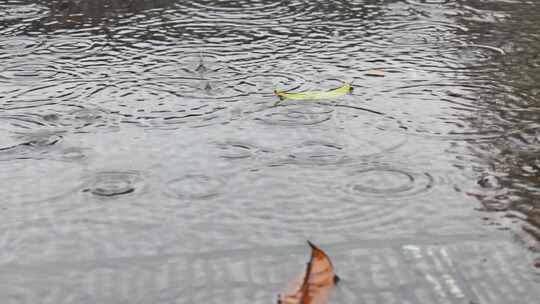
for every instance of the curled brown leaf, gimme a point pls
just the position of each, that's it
(313, 286)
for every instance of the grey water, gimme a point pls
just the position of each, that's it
(144, 159)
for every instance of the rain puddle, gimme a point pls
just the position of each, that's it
(145, 156)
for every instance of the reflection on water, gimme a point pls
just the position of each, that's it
(509, 183)
(147, 131)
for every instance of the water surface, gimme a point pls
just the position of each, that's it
(143, 157)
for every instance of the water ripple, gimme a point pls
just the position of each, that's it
(295, 114)
(21, 122)
(70, 154)
(198, 77)
(36, 145)
(195, 65)
(114, 183)
(237, 149)
(72, 47)
(221, 77)
(263, 84)
(371, 197)
(250, 10)
(374, 196)
(471, 55)
(38, 180)
(429, 2)
(317, 153)
(443, 110)
(44, 98)
(78, 118)
(159, 105)
(194, 186)
(18, 46)
(422, 33)
(31, 73)
(137, 102)
(388, 182)
(20, 11)
(167, 103)
(40, 139)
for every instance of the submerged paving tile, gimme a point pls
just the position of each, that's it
(470, 271)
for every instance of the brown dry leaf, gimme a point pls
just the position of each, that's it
(375, 73)
(313, 286)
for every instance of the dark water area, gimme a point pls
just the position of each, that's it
(143, 157)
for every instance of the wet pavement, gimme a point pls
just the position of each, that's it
(143, 158)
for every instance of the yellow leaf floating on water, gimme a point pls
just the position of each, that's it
(314, 286)
(315, 95)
